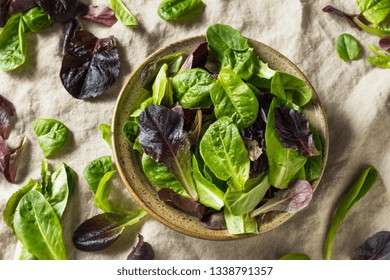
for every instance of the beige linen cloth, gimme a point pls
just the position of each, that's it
(355, 95)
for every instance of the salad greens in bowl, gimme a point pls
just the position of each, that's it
(220, 136)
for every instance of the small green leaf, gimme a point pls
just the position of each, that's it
(362, 185)
(174, 10)
(347, 47)
(123, 14)
(240, 224)
(52, 135)
(95, 170)
(105, 129)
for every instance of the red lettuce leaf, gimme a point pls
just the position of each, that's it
(293, 131)
(214, 220)
(376, 247)
(162, 137)
(182, 203)
(69, 31)
(197, 59)
(18, 6)
(90, 65)
(4, 11)
(10, 159)
(101, 14)
(61, 11)
(349, 17)
(142, 251)
(7, 111)
(384, 43)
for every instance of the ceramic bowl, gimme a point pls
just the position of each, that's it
(129, 163)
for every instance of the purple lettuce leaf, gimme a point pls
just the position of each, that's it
(4, 11)
(376, 247)
(182, 203)
(349, 17)
(214, 220)
(196, 59)
(7, 111)
(293, 131)
(162, 137)
(384, 43)
(61, 11)
(293, 199)
(142, 251)
(10, 159)
(101, 14)
(18, 6)
(90, 65)
(69, 32)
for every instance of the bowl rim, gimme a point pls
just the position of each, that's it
(279, 219)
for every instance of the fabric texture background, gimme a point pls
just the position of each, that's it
(355, 95)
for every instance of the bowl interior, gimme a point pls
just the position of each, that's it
(129, 163)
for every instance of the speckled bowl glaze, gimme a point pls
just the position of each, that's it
(128, 161)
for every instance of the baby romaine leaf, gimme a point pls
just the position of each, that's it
(162, 137)
(160, 176)
(185, 204)
(376, 247)
(58, 191)
(374, 11)
(192, 88)
(284, 162)
(162, 88)
(90, 65)
(291, 88)
(101, 231)
(293, 199)
(95, 170)
(123, 14)
(240, 224)
(102, 195)
(174, 10)
(61, 11)
(105, 129)
(38, 228)
(242, 202)
(142, 251)
(52, 135)
(209, 194)
(234, 98)
(7, 111)
(221, 37)
(359, 189)
(151, 69)
(293, 131)
(13, 201)
(130, 130)
(224, 152)
(382, 58)
(347, 47)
